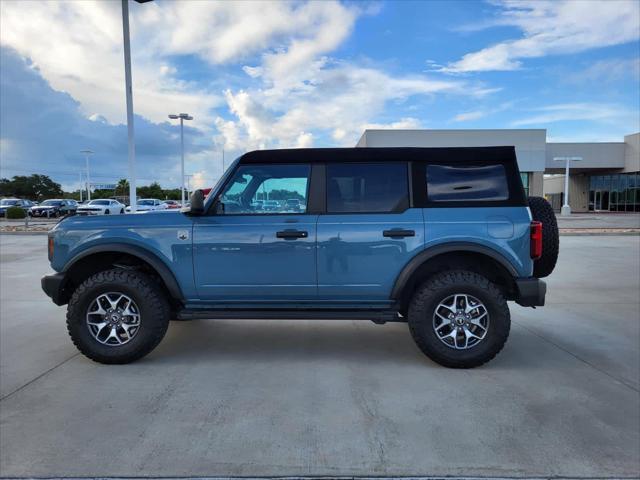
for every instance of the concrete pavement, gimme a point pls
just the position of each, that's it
(330, 398)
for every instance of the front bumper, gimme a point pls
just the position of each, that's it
(531, 292)
(43, 213)
(53, 286)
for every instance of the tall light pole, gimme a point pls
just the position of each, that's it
(182, 117)
(87, 153)
(566, 209)
(129, 95)
(80, 173)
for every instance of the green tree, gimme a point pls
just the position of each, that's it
(151, 191)
(33, 187)
(122, 188)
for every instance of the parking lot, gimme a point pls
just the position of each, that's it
(222, 398)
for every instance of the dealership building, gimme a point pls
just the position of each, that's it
(607, 178)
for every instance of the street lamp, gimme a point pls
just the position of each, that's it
(86, 159)
(129, 96)
(182, 117)
(566, 209)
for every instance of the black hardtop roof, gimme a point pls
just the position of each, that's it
(364, 154)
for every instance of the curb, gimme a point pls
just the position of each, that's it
(602, 234)
(24, 233)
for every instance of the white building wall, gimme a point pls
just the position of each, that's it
(594, 155)
(529, 143)
(632, 153)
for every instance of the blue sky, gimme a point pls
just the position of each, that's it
(278, 74)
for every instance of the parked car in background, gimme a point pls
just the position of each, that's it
(55, 207)
(172, 204)
(102, 206)
(293, 204)
(149, 204)
(257, 204)
(6, 203)
(270, 206)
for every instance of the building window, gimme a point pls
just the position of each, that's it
(615, 193)
(525, 176)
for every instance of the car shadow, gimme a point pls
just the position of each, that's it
(287, 340)
(273, 341)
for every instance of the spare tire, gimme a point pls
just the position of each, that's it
(542, 212)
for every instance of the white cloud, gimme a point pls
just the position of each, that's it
(554, 28)
(606, 113)
(407, 123)
(478, 114)
(296, 94)
(328, 96)
(602, 72)
(469, 116)
(77, 46)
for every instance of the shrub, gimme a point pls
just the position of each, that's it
(15, 212)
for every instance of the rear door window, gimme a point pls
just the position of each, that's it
(484, 183)
(367, 187)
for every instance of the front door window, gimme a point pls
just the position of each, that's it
(266, 189)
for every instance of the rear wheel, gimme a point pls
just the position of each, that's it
(117, 316)
(459, 319)
(542, 211)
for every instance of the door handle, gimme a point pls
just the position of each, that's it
(398, 233)
(292, 234)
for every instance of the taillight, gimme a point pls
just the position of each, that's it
(536, 240)
(50, 249)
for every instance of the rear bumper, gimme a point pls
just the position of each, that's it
(531, 292)
(53, 286)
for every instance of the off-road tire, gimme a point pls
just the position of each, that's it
(542, 211)
(427, 297)
(154, 311)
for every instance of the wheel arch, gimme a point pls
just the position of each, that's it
(457, 255)
(103, 256)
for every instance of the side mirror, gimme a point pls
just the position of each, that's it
(197, 204)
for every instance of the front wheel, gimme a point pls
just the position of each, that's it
(121, 211)
(117, 316)
(106, 212)
(459, 319)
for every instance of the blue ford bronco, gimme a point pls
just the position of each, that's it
(440, 238)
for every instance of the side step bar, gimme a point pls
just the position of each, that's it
(376, 316)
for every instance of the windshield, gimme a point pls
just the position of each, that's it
(51, 203)
(99, 202)
(145, 202)
(8, 202)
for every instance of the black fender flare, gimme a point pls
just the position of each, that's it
(410, 268)
(143, 254)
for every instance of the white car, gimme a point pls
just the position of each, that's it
(102, 206)
(149, 204)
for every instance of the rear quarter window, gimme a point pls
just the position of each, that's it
(449, 183)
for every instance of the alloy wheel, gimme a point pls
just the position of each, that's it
(113, 319)
(461, 321)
